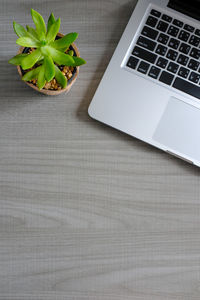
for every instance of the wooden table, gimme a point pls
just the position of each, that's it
(87, 212)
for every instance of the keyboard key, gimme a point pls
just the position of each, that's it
(172, 67)
(167, 18)
(163, 38)
(178, 23)
(197, 32)
(151, 21)
(193, 64)
(195, 53)
(171, 54)
(154, 72)
(143, 67)
(173, 43)
(194, 77)
(183, 36)
(144, 54)
(162, 26)
(155, 13)
(183, 72)
(166, 77)
(187, 87)
(173, 31)
(146, 43)
(188, 28)
(194, 41)
(132, 62)
(184, 48)
(149, 32)
(182, 59)
(162, 62)
(161, 50)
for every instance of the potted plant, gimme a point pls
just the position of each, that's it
(47, 60)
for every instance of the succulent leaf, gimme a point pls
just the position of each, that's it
(53, 30)
(64, 43)
(51, 21)
(27, 42)
(59, 57)
(17, 60)
(78, 61)
(32, 32)
(19, 29)
(30, 60)
(49, 68)
(39, 24)
(41, 78)
(31, 74)
(61, 79)
(71, 52)
(40, 62)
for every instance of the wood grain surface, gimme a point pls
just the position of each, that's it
(87, 212)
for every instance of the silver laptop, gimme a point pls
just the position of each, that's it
(151, 88)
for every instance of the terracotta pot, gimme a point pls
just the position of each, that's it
(53, 92)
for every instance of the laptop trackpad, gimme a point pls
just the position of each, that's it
(179, 129)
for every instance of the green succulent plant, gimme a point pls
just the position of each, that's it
(49, 52)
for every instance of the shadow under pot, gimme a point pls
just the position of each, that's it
(53, 91)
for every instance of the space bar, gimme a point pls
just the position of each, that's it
(187, 87)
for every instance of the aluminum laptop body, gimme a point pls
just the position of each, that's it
(151, 87)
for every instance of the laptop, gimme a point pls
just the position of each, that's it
(151, 87)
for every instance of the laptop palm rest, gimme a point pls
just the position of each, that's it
(179, 129)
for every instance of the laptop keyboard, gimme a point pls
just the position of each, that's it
(168, 50)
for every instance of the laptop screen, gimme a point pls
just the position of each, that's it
(190, 8)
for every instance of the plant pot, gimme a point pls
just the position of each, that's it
(70, 81)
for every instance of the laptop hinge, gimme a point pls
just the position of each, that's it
(190, 8)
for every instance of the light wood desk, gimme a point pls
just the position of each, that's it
(87, 212)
